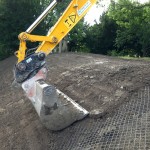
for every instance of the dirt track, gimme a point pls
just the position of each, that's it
(96, 82)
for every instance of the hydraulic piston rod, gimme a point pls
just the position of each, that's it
(41, 17)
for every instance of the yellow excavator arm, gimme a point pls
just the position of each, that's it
(74, 12)
(55, 109)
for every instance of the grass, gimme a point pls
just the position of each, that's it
(135, 58)
(4, 54)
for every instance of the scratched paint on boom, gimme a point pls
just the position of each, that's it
(81, 11)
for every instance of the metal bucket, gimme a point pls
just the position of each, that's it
(56, 110)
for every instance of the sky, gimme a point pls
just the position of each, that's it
(95, 11)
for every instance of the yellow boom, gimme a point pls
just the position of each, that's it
(74, 12)
(55, 109)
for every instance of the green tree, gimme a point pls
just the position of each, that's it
(16, 16)
(133, 30)
(101, 37)
(77, 36)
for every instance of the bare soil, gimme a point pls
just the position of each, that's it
(98, 83)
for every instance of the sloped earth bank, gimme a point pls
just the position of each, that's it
(98, 83)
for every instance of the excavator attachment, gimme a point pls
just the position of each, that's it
(55, 109)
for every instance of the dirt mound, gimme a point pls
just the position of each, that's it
(98, 83)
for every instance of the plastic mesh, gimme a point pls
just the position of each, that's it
(127, 129)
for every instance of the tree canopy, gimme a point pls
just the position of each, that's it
(133, 20)
(15, 17)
